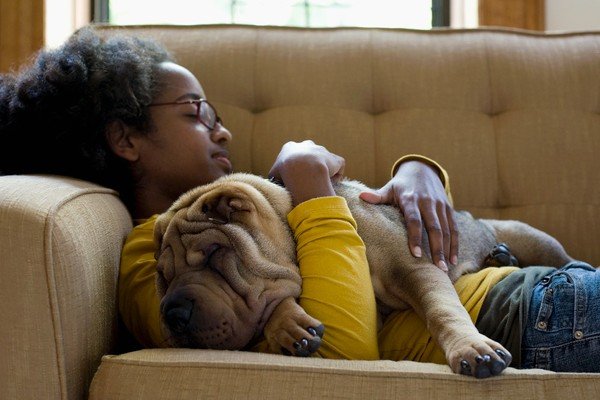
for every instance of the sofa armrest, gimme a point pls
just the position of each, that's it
(60, 246)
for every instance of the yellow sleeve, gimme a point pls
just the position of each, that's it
(139, 304)
(444, 177)
(336, 283)
(404, 335)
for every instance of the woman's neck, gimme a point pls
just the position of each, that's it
(147, 202)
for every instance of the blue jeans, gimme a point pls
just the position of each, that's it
(562, 330)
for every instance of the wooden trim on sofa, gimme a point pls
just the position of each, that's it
(21, 31)
(524, 14)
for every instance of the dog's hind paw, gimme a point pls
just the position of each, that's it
(500, 256)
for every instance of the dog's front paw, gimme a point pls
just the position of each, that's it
(291, 331)
(478, 356)
(305, 347)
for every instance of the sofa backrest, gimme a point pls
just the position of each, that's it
(514, 117)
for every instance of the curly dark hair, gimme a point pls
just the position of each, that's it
(54, 113)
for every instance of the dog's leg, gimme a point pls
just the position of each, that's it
(529, 245)
(292, 331)
(431, 294)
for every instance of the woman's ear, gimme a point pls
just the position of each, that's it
(121, 139)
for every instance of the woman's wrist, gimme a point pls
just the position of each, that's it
(417, 167)
(306, 180)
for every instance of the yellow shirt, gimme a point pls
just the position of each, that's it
(336, 285)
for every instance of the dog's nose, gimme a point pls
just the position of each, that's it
(177, 314)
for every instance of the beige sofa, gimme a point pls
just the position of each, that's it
(513, 116)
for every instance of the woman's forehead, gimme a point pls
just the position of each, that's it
(176, 81)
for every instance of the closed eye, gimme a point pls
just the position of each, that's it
(161, 283)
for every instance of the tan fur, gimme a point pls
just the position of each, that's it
(243, 285)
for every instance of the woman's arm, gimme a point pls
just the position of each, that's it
(336, 283)
(336, 286)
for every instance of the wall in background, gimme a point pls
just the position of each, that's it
(522, 14)
(28, 25)
(63, 17)
(564, 15)
(21, 31)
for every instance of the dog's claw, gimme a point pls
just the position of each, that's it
(318, 331)
(482, 359)
(306, 347)
(502, 354)
(486, 365)
(465, 368)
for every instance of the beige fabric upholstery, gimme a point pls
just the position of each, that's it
(514, 117)
(183, 374)
(59, 254)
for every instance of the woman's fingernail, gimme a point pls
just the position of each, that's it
(454, 260)
(442, 265)
(417, 251)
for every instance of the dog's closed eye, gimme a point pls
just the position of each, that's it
(161, 283)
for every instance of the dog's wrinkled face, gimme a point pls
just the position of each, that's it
(226, 258)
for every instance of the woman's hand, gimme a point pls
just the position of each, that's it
(307, 170)
(419, 193)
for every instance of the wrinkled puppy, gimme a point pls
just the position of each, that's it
(227, 271)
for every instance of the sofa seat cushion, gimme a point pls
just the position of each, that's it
(191, 374)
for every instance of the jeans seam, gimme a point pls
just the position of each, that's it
(579, 306)
(558, 346)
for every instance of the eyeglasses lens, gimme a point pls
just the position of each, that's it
(207, 115)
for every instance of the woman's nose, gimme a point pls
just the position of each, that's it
(220, 134)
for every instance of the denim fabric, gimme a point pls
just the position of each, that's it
(562, 330)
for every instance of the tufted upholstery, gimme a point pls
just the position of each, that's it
(514, 117)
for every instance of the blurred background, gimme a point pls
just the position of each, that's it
(29, 25)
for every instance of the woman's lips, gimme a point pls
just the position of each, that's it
(222, 159)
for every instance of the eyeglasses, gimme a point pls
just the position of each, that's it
(205, 112)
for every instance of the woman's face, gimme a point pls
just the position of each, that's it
(180, 152)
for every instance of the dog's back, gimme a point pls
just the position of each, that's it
(383, 229)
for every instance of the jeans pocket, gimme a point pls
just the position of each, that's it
(557, 305)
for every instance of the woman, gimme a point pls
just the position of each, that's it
(121, 113)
